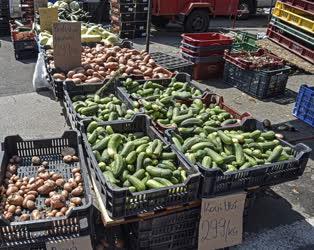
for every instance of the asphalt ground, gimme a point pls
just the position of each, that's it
(280, 219)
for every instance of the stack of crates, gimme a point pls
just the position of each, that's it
(25, 45)
(129, 18)
(4, 18)
(206, 51)
(292, 27)
(245, 41)
(27, 9)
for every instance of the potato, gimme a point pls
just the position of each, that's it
(12, 168)
(56, 176)
(32, 193)
(80, 76)
(8, 215)
(137, 72)
(36, 160)
(36, 215)
(47, 202)
(18, 211)
(70, 74)
(44, 175)
(78, 178)
(77, 191)
(76, 200)
(64, 210)
(57, 201)
(30, 204)
(65, 193)
(16, 159)
(59, 214)
(129, 70)
(41, 169)
(15, 199)
(30, 197)
(11, 209)
(93, 80)
(89, 72)
(148, 72)
(111, 65)
(52, 193)
(76, 170)
(60, 182)
(76, 81)
(11, 190)
(25, 217)
(58, 76)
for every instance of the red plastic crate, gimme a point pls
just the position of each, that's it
(206, 39)
(19, 36)
(293, 46)
(205, 71)
(202, 53)
(238, 58)
(306, 6)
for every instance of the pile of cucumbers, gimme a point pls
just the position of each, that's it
(152, 91)
(232, 150)
(196, 116)
(134, 160)
(108, 108)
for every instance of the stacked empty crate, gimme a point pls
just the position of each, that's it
(245, 41)
(27, 8)
(23, 38)
(292, 27)
(206, 51)
(4, 18)
(129, 18)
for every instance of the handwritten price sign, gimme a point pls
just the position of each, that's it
(67, 45)
(221, 222)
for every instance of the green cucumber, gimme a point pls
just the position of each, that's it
(152, 184)
(118, 165)
(140, 186)
(275, 154)
(159, 172)
(127, 148)
(207, 162)
(113, 144)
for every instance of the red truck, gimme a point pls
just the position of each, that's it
(194, 15)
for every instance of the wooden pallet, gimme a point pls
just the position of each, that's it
(108, 221)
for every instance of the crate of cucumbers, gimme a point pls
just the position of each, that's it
(83, 103)
(136, 170)
(231, 159)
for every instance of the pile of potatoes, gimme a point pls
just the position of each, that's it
(20, 194)
(101, 62)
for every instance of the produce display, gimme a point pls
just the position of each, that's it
(134, 160)
(101, 62)
(107, 108)
(89, 34)
(193, 118)
(232, 150)
(151, 91)
(70, 10)
(22, 196)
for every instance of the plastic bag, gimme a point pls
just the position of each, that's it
(40, 74)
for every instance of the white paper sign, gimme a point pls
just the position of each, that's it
(221, 223)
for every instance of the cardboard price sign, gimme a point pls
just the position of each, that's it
(40, 4)
(47, 17)
(67, 45)
(81, 243)
(221, 223)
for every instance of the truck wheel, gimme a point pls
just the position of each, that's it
(159, 21)
(197, 21)
(246, 7)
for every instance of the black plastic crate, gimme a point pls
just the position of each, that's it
(124, 8)
(120, 202)
(181, 77)
(71, 90)
(174, 231)
(214, 181)
(172, 63)
(25, 45)
(141, 8)
(131, 34)
(125, 17)
(261, 83)
(78, 221)
(25, 54)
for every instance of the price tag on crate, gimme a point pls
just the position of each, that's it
(40, 4)
(67, 45)
(47, 17)
(221, 223)
(81, 243)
